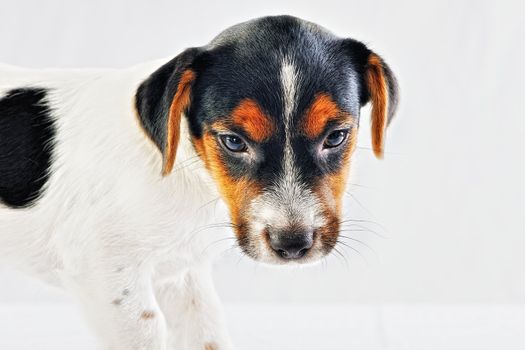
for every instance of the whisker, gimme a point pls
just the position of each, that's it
(356, 240)
(342, 256)
(359, 220)
(355, 250)
(181, 167)
(185, 161)
(360, 204)
(240, 258)
(232, 247)
(361, 228)
(217, 225)
(362, 221)
(323, 263)
(217, 242)
(195, 233)
(209, 202)
(359, 185)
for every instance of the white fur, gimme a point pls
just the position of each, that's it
(109, 228)
(289, 80)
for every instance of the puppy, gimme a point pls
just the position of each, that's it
(106, 176)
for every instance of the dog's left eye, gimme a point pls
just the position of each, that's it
(335, 138)
(233, 143)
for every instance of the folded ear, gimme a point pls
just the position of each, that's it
(383, 91)
(162, 99)
(378, 86)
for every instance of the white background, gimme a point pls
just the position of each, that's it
(448, 197)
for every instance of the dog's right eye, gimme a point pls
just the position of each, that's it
(233, 143)
(335, 139)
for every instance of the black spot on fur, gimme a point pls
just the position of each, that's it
(117, 302)
(26, 144)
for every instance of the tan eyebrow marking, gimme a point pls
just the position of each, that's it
(322, 110)
(251, 118)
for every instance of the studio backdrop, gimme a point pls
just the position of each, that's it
(441, 217)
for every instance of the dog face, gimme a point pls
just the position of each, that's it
(273, 109)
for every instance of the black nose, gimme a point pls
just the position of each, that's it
(291, 245)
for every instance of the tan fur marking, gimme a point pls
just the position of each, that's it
(332, 190)
(251, 118)
(377, 86)
(338, 180)
(147, 315)
(236, 192)
(321, 111)
(210, 346)
(180, 103)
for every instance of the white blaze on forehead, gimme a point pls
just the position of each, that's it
(288, 201)
(289, 80)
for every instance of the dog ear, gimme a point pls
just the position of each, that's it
(162, 99)
(378, 86)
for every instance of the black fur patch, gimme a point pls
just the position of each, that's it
(26, 144)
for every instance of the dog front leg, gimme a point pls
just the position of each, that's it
(193, 312)
(121, 306)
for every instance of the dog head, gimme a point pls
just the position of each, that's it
(273, 108)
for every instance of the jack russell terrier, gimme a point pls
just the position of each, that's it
(97, 195)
